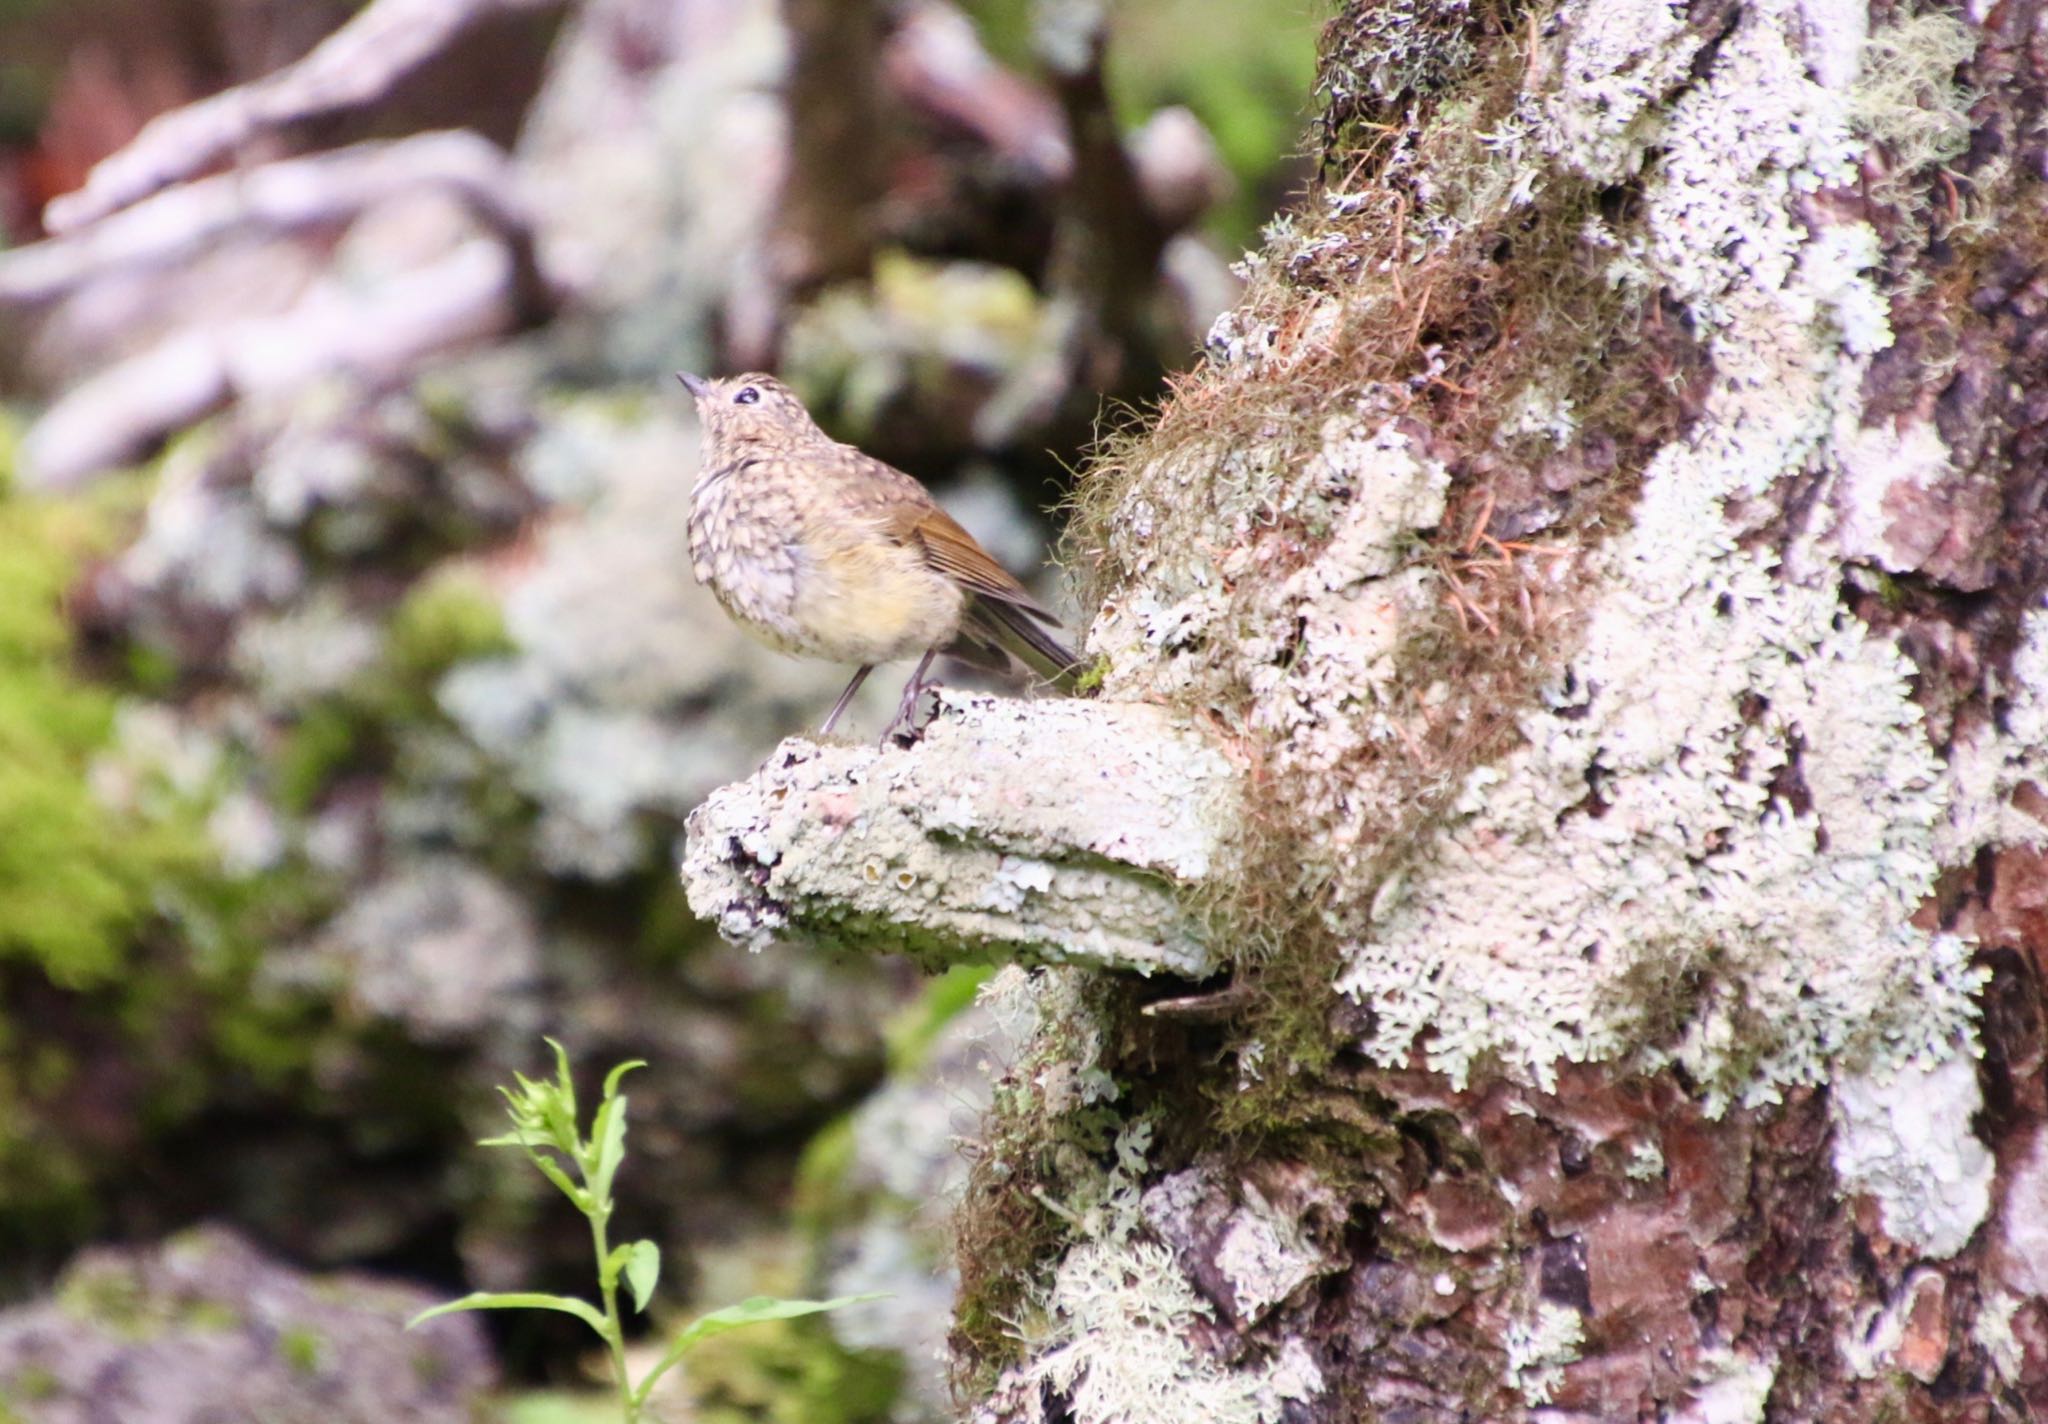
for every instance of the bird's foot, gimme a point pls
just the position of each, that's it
(902, 728)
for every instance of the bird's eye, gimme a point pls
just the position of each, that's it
(747, 395)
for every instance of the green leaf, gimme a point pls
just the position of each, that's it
(515, 1138)
(608, 1138)
(519, 1300)
(558, 1107)
(551, 1169)
(563, 1081)
(755, 1310)
(611, 1079)
(643, 1269)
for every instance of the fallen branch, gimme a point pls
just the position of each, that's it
(352, 69)
(323, 192)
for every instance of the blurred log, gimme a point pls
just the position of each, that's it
(353, 69)
(483, 287)
(319, 193)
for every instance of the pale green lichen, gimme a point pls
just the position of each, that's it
(1539, 1347)
(1601, 104)
(836, 843)
(1774, 925)
(1903, 1138)
(1645, 1162)
(1990, 760)
(1119, 1320)
(1266, 1255)
(1992, 1330)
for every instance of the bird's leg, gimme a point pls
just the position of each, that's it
(844, 698)
(906, 710)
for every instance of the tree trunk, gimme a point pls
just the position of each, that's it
(1592, 601)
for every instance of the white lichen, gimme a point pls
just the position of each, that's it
(1903, 1138)
(1619, 64)
(1120, 1320)
(837, 844)
(1992, 1330)
(1875, 460)
(2022, 1260)
(1735, 1390)
(1989, 761)
(1266, 1256)
(1539, 1347)
(1728, 808)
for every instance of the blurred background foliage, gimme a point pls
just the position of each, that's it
(1244, 70)
(353, 689)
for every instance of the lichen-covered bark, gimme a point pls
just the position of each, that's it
(967, 849)
(1609, 539)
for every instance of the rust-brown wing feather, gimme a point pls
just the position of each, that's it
(1003, 619)
(953, 552)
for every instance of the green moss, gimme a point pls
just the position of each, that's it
(448, 617)
(324, 739)
(74, 881)
(301, 1349)
(821, 1200)
(1091, 678)
(909, 1035)
(209, 1315)
(117, 903)
(33, 1382)
(108, 1296)
(790, 1372)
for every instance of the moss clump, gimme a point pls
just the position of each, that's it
(910, 1034)
(74, 883)
(1045, 1153)
(301, 1348)
(1091, 678)
(321, 741)
(121, 936)
(1450, 295)
(448, 617)
(790, 1372)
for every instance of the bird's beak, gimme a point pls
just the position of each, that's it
(695, 385)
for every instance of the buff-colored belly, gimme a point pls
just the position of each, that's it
(844, 593)
(875, 603)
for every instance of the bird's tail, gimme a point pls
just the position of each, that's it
(1007, 635)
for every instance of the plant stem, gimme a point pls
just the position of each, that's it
(614, 1334)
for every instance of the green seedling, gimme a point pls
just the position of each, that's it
(544, 1127)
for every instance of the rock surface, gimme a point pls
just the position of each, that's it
(205, 1327)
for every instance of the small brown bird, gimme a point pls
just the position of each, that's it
(820, 550)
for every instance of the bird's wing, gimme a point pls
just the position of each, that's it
(909, 515)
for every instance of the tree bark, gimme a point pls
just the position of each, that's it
(1608, 545)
